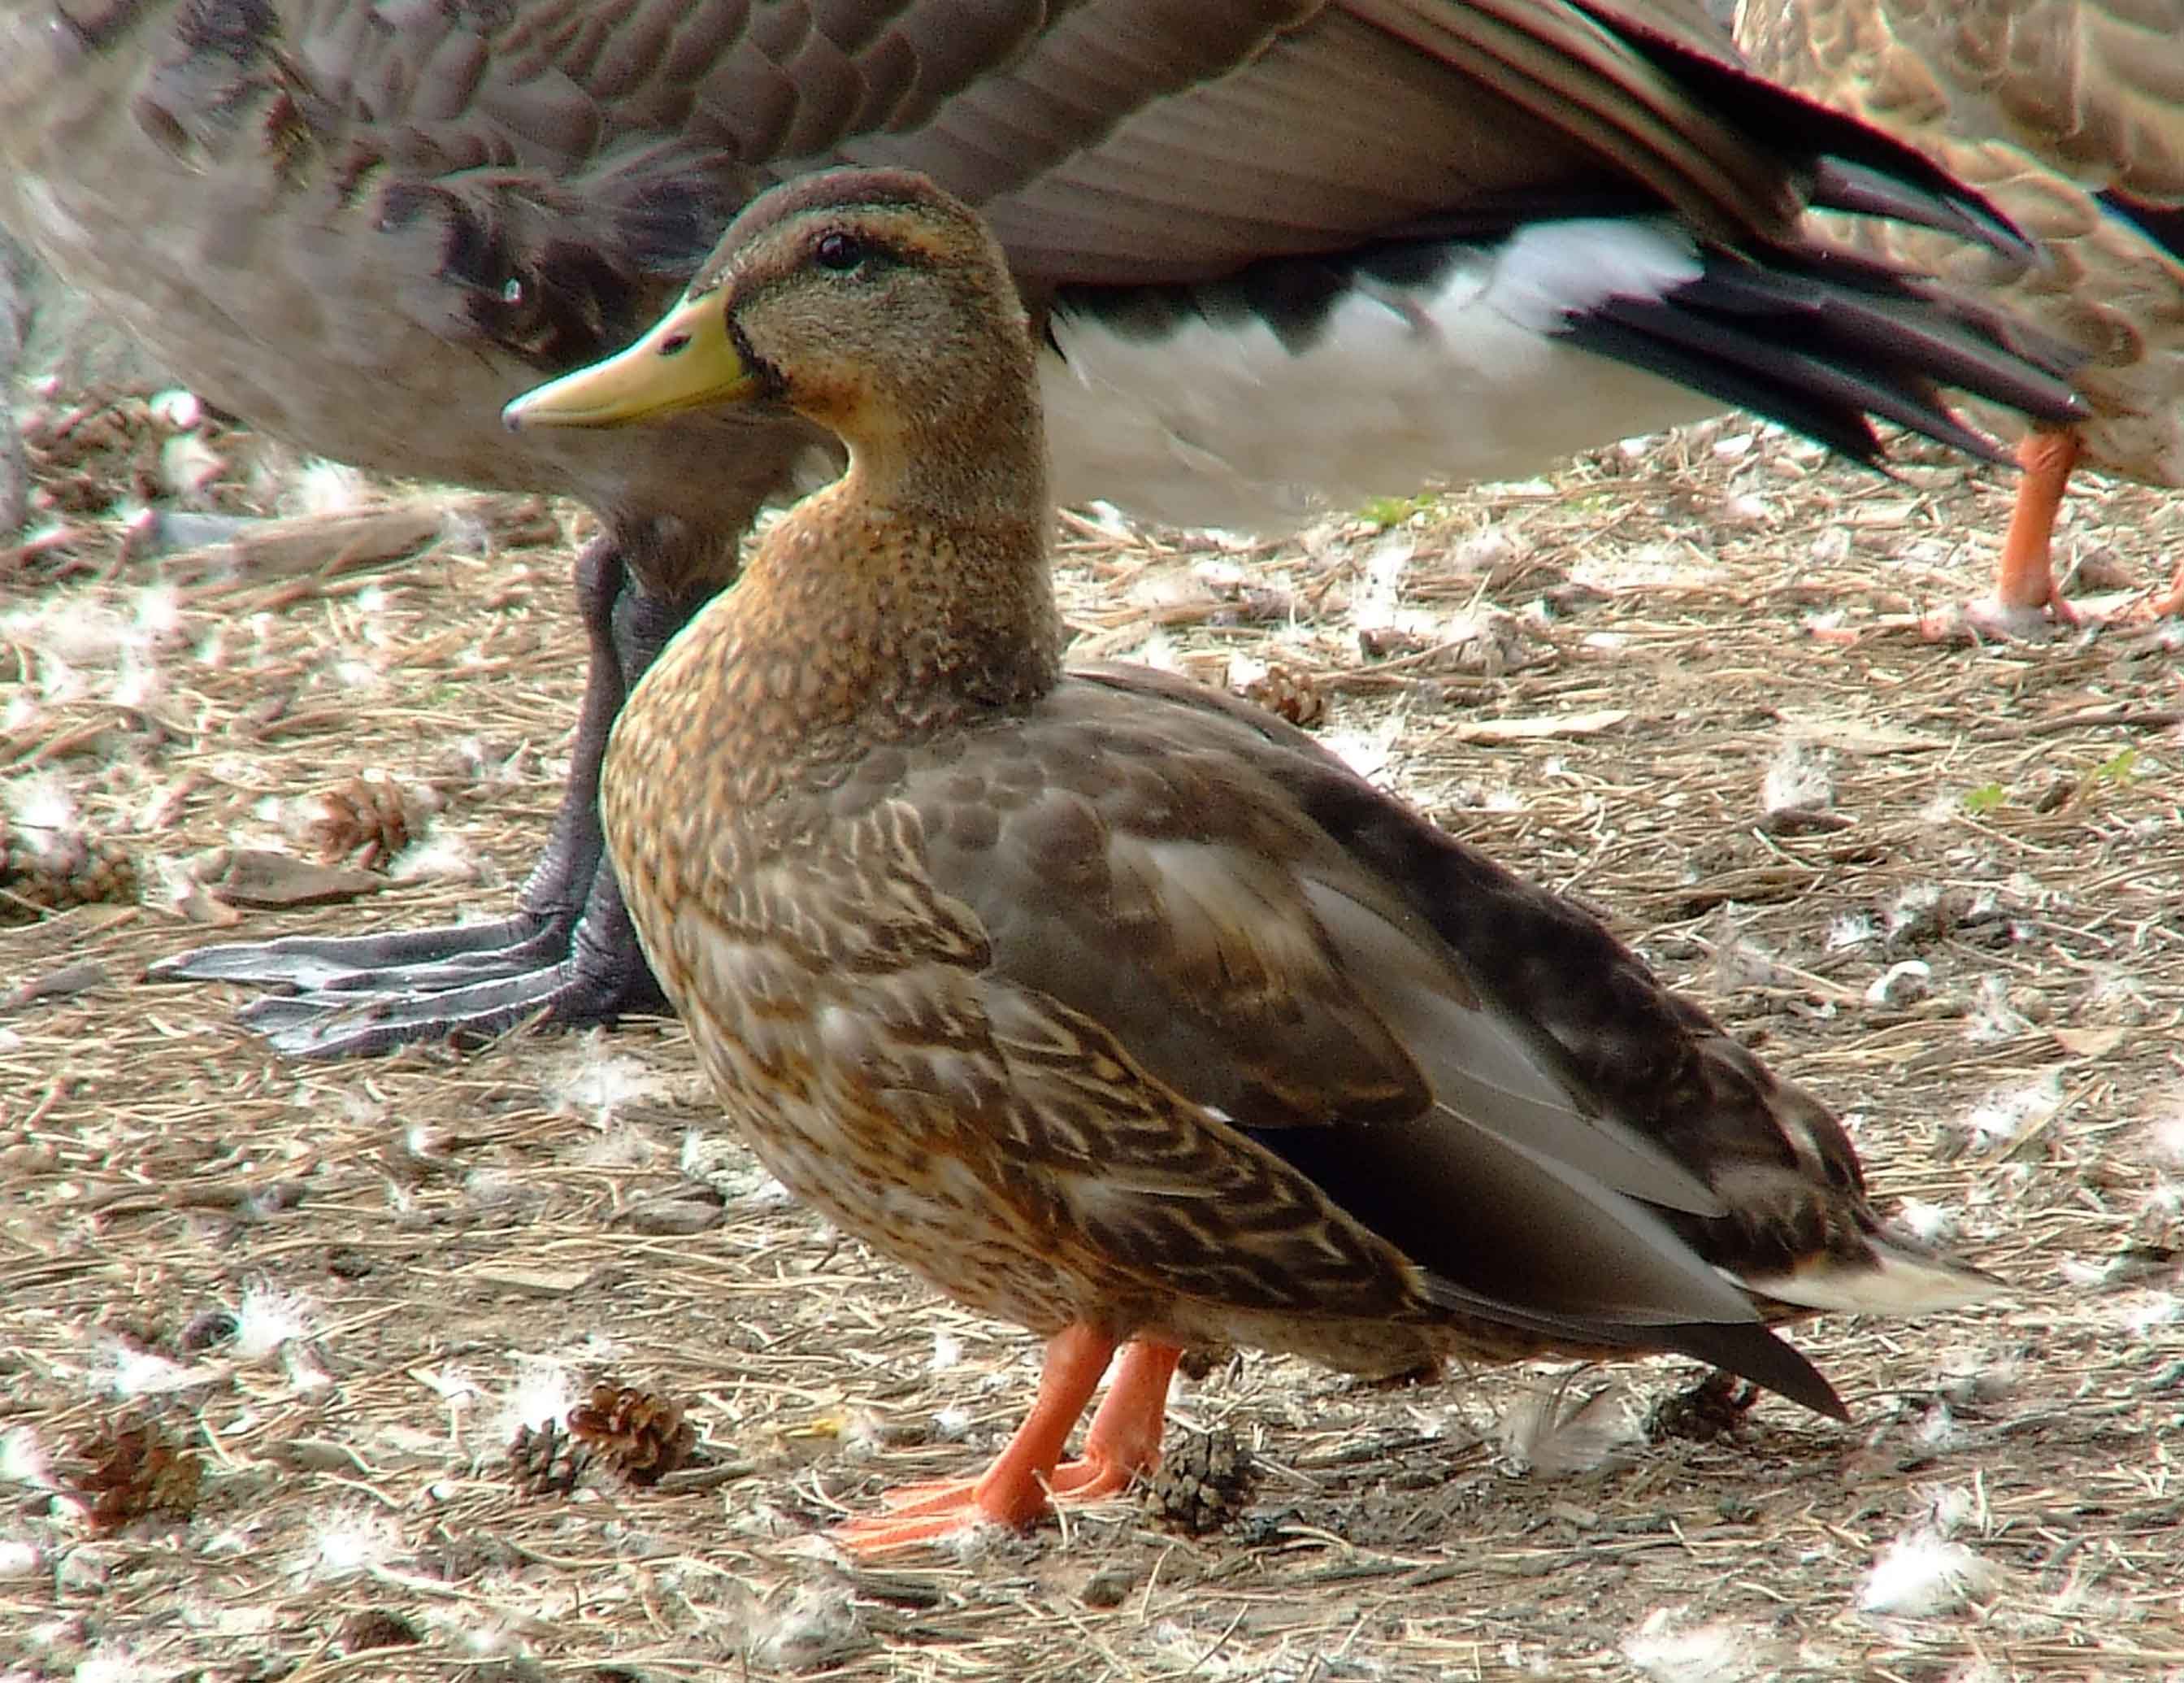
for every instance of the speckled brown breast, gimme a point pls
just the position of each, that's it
(851, 1017)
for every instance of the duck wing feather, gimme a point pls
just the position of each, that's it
(559, 165)
(1498, 1089)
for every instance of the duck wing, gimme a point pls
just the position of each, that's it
(1464, 1066)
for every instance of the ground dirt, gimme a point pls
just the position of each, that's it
(272, 1328)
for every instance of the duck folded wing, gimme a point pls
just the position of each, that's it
(554, 173)
(1133, 861)
(1162, 917)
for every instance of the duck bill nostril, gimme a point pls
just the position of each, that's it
(681, 364)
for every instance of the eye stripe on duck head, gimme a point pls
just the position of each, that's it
(871, 303)
(895, 214)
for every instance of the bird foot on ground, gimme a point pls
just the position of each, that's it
(1992, 619)
(1989, 619)
(934, 1511)
(1984, 621)
(359, 996)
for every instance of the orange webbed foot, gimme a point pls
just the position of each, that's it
(2167, 604)
(934, 1511)
(1993, 620)
(1029, 1474)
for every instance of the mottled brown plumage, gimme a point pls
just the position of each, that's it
(2069, 116)
(1108, 1004)
(1509, 229)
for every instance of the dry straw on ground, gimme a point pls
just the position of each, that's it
(1944, 885)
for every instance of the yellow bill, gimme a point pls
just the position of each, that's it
(687, 361)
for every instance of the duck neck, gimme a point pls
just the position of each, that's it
(915, 592)
(978, 453)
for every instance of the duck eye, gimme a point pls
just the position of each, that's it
(838, 252)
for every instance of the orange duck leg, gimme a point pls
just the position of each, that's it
(2024, 591)
(1123, 1441)
(2024, 578)
(2025, 596)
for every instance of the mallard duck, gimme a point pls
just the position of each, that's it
(1105, 1002)
(2066, 114)
(1277, 253)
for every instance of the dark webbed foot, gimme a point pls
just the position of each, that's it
(357, 996)
(429, 960)
(569, 952)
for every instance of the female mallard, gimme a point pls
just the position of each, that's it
(1108, 1004)
(1313, 248)
(2065, 114)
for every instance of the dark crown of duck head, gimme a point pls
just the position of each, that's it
(852, 191)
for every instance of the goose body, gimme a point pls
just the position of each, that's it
(1107, 1002)
(2066, 114)
(1279, 255)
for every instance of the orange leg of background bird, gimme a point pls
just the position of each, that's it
(2025, 576)
(1123, 1441)
(2025, 579)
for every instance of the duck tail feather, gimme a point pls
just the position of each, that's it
(1897, 1275)
(1753, 1352)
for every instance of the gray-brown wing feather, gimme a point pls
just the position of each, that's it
(1148, 875)
(556, 163)
(1518, 1201)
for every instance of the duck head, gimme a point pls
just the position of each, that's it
(867, 301)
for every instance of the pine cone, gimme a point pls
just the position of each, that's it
(1200, 1361)
(641, 1435)
(49, 870)
(375, 1627)
(1714, 1407)
(133, 1469)
(1289, 694)
(1203, 1483)
(366, 819)
(546, 1462)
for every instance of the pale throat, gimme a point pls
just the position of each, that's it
(980, 454)
(929, 556)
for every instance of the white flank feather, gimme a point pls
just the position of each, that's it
(1904, 1282)
(1669, 1648)
(1466, 380)
(1924, 1574)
